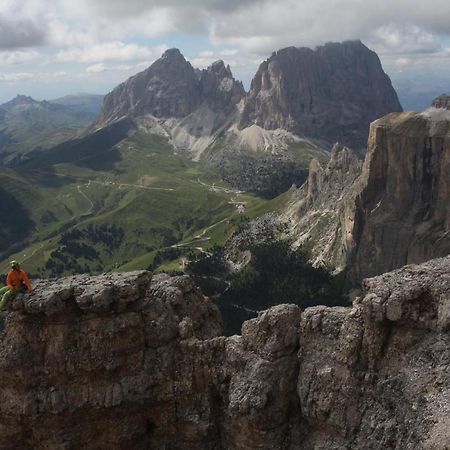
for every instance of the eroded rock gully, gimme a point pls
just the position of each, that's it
(131, 361)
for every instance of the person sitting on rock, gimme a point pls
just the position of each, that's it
(15, 281)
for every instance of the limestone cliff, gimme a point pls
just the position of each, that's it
(125, 361)
(394, 211)
(403, 210)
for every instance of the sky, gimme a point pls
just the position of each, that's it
(51, 48)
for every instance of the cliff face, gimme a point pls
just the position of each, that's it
(131, 361)
(322, 210)
(172, 88)
(330, 93)
(403, 210)
(395, 211)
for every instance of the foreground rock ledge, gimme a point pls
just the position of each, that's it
(131, 361)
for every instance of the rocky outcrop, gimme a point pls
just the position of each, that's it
(395, 212)
(443, 101)
(322, 210)
(330, 93)
(109, 362)
(130, 361)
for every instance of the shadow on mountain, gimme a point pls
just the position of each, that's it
(15, 223)
(276, 273)
(95, 151)
(47, 177)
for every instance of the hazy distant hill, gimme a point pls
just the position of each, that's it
(89, 104)
(27, 124)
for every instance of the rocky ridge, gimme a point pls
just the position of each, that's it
(172, 98)
(135, 361)
(322, 211)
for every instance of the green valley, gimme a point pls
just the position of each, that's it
(119, 207)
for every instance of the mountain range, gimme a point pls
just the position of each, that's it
(300, 102)
(182, 166)
(184, 139)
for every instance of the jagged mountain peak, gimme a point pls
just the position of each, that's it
(20, 100)
(172, 88)
(221, 69)
(332, 92)
(173, 53)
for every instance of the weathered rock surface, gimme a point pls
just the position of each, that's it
(443, 101)
(130, 361)
(395, 211)
(332, 93)
(322, 210)
(403, 211)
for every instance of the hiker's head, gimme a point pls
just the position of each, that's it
(15, 264)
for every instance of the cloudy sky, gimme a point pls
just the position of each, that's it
(50, 48)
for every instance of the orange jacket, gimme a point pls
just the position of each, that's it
(15, 278)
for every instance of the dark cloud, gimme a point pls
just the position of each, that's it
(20, 33)
(121, 8)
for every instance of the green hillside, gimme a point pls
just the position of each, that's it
(27, 125)
(103, 202)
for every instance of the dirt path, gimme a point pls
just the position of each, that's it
(91, 208)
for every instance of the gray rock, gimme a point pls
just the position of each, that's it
(331, 93)
(152, 371)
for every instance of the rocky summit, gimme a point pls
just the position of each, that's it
(331, 93)
(171, 98)
(138, 361)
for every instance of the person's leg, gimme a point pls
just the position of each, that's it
(5, 294)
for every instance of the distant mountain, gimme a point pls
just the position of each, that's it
(301, 101)
(89, 104)
(27, 124)
(331, 93)
(189, 106)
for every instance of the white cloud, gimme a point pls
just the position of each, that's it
(110, 51)
(14, 77)
(19, 57)
(407, 39)
(109, 35)
(96, 68)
